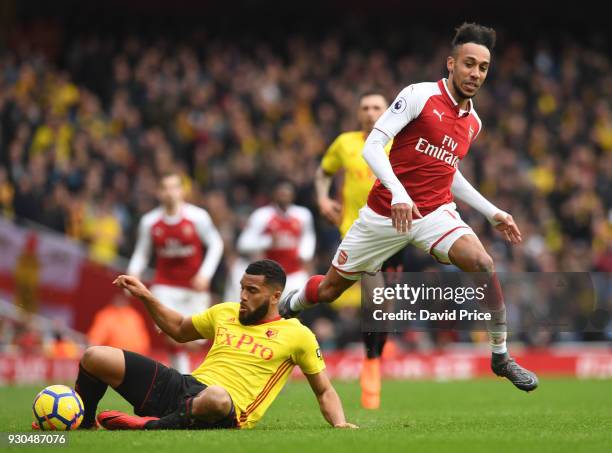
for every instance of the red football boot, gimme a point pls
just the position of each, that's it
(115, 420)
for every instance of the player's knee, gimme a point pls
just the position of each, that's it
(103, 362)
(213, 403)
(90, 356)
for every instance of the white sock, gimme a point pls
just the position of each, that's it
(498, 331)
(298, 301)
(499, 348)
(180, 362)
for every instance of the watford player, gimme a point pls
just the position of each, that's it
(253, 353)
(344, 154)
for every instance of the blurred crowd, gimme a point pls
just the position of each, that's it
(25, 335)
(118, 324)
(82, 142)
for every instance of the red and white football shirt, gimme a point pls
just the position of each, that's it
(184, 245)
(431, 134)
(284, 236)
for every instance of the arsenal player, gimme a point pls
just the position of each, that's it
(432, 126)
(283, 232)
(187, 249)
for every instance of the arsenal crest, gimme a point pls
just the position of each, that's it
(342, 257)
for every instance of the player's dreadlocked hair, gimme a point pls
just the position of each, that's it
(271, 270)
(475, 33)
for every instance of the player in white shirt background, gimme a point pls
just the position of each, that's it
(283, 232)
(432, 125)
(187, 249)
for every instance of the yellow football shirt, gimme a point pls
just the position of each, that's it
(345, 153)
(253, 362)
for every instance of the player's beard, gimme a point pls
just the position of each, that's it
(257, 315)
(461, 92)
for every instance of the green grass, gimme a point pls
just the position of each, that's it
(481, 415)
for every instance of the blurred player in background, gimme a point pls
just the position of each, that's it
(187, 249)
(283, 232)
(432, 125)
(345, 154)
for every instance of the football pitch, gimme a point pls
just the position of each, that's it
(480, 415)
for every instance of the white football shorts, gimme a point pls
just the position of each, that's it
(371, 240)
(183, 300)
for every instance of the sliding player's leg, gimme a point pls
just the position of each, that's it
(185, 404)
(146, 384)
(211, 408)
(99, 367)
(162, 397)
(132, 375)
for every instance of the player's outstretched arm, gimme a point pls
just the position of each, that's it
(175, 325)
(329, 401)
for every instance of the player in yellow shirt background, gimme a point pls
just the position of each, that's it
(344, 154)
(253, 353)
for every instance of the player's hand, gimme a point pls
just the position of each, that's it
(346, 425)
(132, 285)
(200, 283)
(125, 291)
(402, 215)
(331, 210)
(506, 225)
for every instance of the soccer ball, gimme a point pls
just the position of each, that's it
(58, 407)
